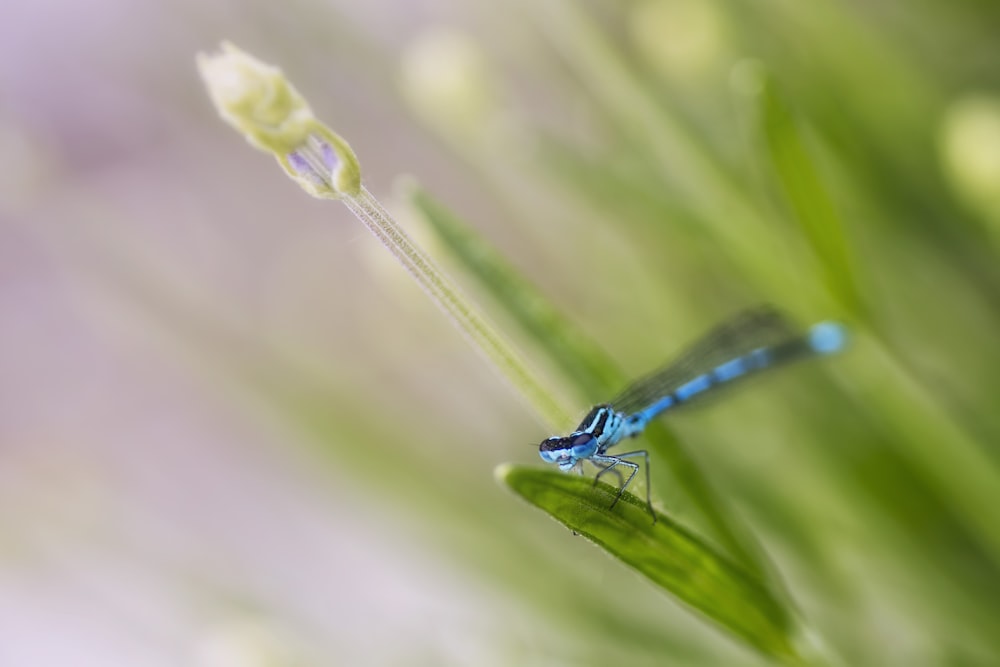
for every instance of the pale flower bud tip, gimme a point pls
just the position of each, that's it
(255, 99)
(258, 101)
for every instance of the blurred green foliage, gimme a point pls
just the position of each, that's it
(704, 156)
(795, 153)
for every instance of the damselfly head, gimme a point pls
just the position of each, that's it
(552, 449)
(567, 451)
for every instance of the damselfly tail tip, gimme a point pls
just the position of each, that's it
(827, 337)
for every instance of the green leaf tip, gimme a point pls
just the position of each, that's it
(665, 552)
(259, 102)
(502, 471)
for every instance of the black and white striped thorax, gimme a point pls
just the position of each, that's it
(606, 425)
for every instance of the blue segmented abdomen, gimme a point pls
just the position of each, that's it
(733, 369)
(821, 339)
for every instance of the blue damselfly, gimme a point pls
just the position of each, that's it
(753, 341)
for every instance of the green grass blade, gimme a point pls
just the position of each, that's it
(811, 204)
(665, 553)
(727, 528)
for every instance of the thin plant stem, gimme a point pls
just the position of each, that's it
(469, 320)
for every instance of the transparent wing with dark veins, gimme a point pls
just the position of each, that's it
(761, 327)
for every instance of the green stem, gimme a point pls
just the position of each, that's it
(440, 288)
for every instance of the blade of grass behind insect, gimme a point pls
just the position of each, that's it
(811, 204)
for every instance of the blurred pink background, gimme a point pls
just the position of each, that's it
(153, 508)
